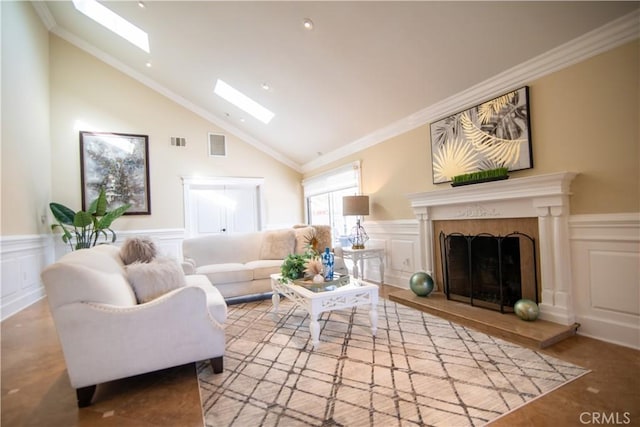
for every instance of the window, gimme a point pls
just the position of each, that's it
(323, 198)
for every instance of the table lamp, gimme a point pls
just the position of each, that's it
(356, 206)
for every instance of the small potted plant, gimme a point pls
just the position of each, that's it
(86, 227)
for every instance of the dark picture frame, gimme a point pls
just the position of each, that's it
(119, 162)
(490, 135)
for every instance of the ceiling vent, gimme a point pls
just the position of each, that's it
(217, 145)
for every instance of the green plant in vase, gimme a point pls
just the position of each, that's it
(86, 227)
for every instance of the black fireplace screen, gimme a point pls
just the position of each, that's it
(489, 271)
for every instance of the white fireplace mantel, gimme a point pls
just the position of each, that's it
(544, 196)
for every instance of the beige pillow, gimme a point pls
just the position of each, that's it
(149, 280)
(323, 235)
(141, 249)
(277, 244)
(303, 238)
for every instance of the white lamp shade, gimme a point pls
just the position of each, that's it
(355, 205)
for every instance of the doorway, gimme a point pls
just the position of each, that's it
(218, 205)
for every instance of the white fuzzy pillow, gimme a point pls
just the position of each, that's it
(152, 279)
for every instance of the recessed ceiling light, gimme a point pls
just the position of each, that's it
(141, 5)
(148, 64)
(114, 22)
(266, 86)
(307, 23)
(242, 101)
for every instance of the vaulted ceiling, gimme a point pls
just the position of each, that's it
(363, 66)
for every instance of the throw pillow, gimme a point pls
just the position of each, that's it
(304, 238)
(323, 236)
(153, 279)
(277, 244)
(141, 249)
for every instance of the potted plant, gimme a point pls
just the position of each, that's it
(85, 227)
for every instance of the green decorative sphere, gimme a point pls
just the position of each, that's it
(526, 309)
(421, 284)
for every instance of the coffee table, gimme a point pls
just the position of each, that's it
(318, 300)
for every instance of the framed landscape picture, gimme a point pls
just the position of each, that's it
(491, 135)
(119, 163)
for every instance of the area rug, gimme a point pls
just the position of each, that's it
(418, 370)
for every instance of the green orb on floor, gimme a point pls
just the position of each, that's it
(421, 284)
(526, 309)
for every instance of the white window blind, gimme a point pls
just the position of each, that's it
(346, 176)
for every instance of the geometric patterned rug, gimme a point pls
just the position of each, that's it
(418, 370)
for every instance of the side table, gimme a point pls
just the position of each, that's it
(359, 255)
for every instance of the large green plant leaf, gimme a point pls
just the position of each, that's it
(62, 213)
(82, 219)
(100, 207)
(105, 221)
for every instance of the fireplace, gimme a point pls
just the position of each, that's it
(487, 270)
(537, 206)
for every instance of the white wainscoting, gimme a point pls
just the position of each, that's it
(401, 242)
(23, 257)
(605, 265)
(605, 252)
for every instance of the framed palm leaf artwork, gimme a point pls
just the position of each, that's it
(491, 135)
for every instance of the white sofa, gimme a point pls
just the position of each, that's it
(240, 264)
(106, 334)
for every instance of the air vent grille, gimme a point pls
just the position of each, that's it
(178, 141)
(217, 145)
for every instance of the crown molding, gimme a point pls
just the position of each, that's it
(45, 15)
(607, 37)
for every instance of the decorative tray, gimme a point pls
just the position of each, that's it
(330, 285)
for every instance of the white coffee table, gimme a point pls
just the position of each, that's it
(354, 294)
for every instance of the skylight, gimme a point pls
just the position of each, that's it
(114, 22)
(243, 102)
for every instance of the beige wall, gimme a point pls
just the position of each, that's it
(87, 94)
(584, 119)
(26, 170)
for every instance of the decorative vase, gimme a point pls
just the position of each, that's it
(526, 309)
(421, 284)
(327, 262)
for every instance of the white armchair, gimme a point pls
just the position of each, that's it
(106, 335)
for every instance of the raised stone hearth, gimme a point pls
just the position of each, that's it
(544, 198)
(538, 334)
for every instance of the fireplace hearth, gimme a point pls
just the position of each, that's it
(490, 271)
